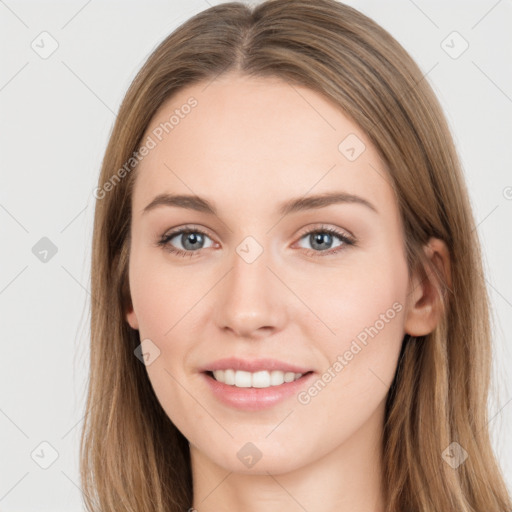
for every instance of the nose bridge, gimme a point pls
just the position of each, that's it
(251, 298)
(250, 267)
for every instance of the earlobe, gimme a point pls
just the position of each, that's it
(424, 304)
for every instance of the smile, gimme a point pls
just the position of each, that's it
(260, 379)
(255, 391)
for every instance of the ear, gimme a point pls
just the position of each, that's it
(424, 304)
(127, 305)
(131, 318)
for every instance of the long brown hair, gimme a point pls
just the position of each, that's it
(132, 457)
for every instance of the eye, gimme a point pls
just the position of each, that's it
(192, 239)
(321, 237)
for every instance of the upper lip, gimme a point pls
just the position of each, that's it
(253, 365)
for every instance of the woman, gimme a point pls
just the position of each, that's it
(234, 367)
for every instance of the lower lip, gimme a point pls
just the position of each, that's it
(255, 399)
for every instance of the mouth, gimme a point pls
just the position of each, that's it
(255, 391)
(260, 379)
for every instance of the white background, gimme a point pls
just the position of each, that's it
(56, 116)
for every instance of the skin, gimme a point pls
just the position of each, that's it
(250, 144)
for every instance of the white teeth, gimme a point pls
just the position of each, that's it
(261, 379)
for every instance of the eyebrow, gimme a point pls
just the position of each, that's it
(192, 202)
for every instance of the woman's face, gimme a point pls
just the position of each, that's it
(263, 282)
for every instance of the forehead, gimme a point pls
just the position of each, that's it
(261, 139)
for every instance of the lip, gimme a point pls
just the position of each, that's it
(255, 399)
(253, 365)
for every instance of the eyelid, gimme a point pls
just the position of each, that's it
(187, 227)
(326, 227)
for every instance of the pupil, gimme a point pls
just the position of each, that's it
(192, 239)
(322, 239)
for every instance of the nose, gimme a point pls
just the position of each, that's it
(251, 300)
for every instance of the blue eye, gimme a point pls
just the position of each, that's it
(324, 236)
(192, 240)
(191, 237)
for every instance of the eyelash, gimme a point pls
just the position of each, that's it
(347, 241)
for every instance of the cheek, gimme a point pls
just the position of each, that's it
(355, 295)
(366, 312)
(161, 298)
(161, 295)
